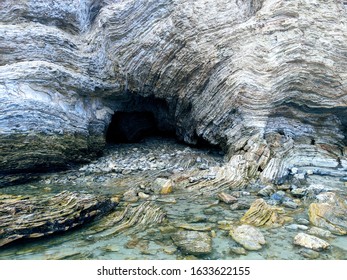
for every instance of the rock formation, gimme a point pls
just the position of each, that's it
(263, 79)
(33, 217)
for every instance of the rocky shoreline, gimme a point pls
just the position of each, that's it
(165, 201)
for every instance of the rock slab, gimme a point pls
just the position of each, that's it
(24, 217)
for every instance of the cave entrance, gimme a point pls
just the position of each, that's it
(132, 127)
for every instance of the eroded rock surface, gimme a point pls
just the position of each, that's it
(24, 217)
(264, 80)
(330, 214)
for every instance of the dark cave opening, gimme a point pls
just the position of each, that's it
(132, 127)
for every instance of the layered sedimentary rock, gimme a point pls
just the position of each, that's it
(33, 217)
(263, 79)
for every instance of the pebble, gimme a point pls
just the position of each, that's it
(294, 170)
(238, 250)
(290, 204)
(303, 221)
(278, 196)
(299, 192)
(297, 227)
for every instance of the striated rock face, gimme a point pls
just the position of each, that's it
(330, 214)
(33, 217)
(263, 79)
(262, 214)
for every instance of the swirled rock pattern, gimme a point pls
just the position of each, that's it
(263, 79)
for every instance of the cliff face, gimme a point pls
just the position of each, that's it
(264, 80)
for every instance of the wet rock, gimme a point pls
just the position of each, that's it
(240, 205)
(238, 250)
(262, 214)
(130, 196)
(111, 248)
(299, 192)
(32, 217)
(266, 191)
(249, 237)
(310, 242)
(170, 250)
(294, 170)
(290, 204)
(195, 227)
(143, 195)
(278, 196)
(227, 198)
(320, 232)
(193, 242)
(296, 227)
(309, 254)
(303, 221)
(162, 186)
(330, 214)
(225, 225)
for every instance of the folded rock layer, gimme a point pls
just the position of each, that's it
(263, 79)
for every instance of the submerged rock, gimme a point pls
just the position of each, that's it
(33, 217)
(320, 232)
(249, 237)
(193, 242)
(310, 242)
(227, 198)
(162, 186)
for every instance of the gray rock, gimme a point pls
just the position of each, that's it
(67, 68)
(320, 232)
(297, 227)
(290, 204)
(193, 242)
(240, 205)
(299, 192)
(266, 191)
(249, 237)
(309, 254)
(238, 250)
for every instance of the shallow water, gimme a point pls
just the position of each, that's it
(100, 240)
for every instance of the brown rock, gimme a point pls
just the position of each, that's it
(262, 214)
